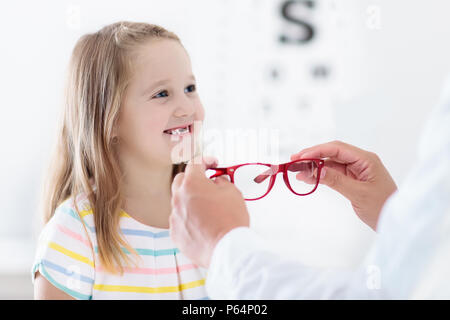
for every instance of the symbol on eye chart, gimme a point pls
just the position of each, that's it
(320, 72)
(266, 107)
(274, 74)
(373, 20)
(305, 31)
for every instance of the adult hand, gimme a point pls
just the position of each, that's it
(358, 175)
(203, 211)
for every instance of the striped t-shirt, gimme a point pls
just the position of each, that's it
(65, 257)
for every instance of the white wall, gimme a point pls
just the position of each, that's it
(387, 61)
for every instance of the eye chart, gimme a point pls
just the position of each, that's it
(276, 68)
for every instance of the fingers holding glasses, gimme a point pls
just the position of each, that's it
(210, 162)
(310, 177)
(343, 158)
(221, 180)
(194, 174)
(200, 164)
(337, 151)
(357, 174)
(328, 164)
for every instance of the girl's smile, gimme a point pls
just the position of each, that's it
(180, 131)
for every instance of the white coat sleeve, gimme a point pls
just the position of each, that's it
(242, 268)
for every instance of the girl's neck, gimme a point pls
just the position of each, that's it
(147, 196)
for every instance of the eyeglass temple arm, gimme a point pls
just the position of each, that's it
(263, 176)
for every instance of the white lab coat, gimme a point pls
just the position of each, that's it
(410, 258)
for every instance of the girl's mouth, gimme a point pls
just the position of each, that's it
(179, 131)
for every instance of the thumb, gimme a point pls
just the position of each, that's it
(195, 166)
(177, 181)
(341, 183)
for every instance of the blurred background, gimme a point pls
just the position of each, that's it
(300, 72)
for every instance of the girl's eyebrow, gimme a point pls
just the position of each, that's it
(160, 82)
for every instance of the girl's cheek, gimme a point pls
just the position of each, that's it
(200, 112)
(155, 121)
(154, 129)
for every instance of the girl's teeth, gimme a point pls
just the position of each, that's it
(179, 131)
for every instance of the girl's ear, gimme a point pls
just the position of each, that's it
(115, 137)
(115, 134)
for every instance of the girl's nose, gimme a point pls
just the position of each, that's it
(185, 109)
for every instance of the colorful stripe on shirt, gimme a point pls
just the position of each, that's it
(155, 271)
(70, 253)
(135, 289)
(125, 231)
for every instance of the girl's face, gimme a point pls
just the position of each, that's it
(161, 96)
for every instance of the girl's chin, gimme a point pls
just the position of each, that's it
(184, 149)
(182, 157)
(179, 155)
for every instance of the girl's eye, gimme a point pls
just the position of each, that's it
(191, 87)
(162, 92)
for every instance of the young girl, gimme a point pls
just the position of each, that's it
(130, 97)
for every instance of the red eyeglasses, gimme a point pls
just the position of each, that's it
(255, 180)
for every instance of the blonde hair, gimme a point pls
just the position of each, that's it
(99, 71)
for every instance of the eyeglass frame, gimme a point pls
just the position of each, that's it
(229, 171)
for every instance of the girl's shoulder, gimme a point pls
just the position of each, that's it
(64, 252)
(74, 211)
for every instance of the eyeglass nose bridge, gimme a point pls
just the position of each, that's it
(275, 170)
